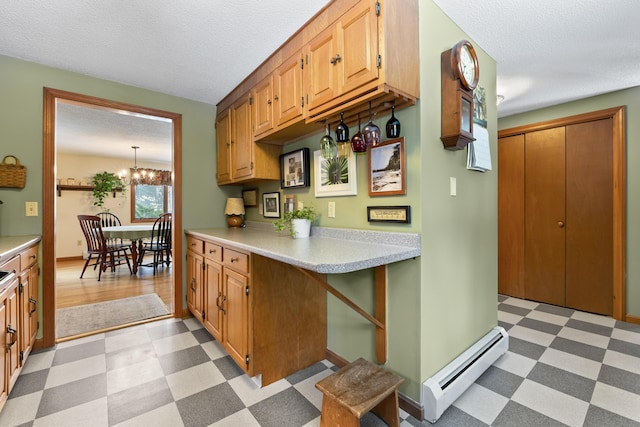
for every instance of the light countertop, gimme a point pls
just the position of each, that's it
(12, 245)
(327, 250)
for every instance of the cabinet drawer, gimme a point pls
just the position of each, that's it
(196, 245)
(12, 265)
(213, 251)
(236, 260)
(28, 258)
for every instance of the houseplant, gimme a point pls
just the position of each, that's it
(105, 183)
(297, 221)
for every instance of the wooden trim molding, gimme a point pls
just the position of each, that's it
(617, 115)
(633, 319)
(51, 96)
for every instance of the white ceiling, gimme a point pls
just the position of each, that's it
(547, 51)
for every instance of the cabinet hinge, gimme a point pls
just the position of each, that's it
(251, 165)
(301, 64)
(377, 8)
(306, 59)
(302, 101)
(246, 290)
(307, 99)
(204, 266)
(21, 357)
(246, 359)
(20, 286)
(379, 61)
(251, 100)
(203, 315)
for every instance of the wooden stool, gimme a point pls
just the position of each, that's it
(356, 389)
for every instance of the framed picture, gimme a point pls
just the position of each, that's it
(334, 177)
(271, 205)
(387, 168)
(389, 214)
(294, 169)
(250, 197)
(289, 203)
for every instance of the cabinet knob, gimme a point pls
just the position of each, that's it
(336, 59)
(212, 251)
(269, 102)
(560, 224)
(275, 98)
(234, 259)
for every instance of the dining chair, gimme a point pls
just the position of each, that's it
(108, 219)
(107, 256)
(160, 243)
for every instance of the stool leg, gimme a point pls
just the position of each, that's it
(334, 414)
(388, 410)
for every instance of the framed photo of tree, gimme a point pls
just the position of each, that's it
(387, 169)
(335, 176)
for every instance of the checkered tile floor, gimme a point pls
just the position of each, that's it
(563, 368)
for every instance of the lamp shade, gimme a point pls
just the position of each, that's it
(235, 206)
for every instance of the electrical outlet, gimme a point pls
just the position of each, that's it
(31, 208)
(332, 210)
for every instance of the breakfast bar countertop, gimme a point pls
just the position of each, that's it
(327, 250)
(12, 245)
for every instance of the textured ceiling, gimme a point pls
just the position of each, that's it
(547, 51)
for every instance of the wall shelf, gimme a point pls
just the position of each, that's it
(61, 187)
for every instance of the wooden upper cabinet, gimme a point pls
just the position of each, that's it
(322, 86)
(288, 98)
(358, 47)
(223, 142)
(263, 106)
(242, 141)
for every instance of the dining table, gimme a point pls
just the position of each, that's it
(135, 233)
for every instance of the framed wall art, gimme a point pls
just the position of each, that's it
(289, 203)
(400, 214)
(335, 176)
(250, 197)
(271, 205)
(387, 168)
(294, 169)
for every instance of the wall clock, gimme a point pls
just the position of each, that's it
(459, 75)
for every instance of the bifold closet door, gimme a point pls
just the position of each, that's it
(589, 216)
(511, 216)
(545, 216)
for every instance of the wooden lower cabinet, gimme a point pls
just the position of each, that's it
(18, 317)
(268, 315)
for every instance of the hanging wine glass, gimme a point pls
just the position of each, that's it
(327, 145)
(357, 141)
(371, 132)
(393, 125)
(342, 130)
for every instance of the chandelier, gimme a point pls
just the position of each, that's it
(136, 175)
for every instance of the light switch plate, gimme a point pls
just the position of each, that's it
(452, 186)
(331, 210)
(31, 208)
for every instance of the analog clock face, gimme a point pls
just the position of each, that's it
(468, 65)
(465, 64)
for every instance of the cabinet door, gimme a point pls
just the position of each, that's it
(4, 340)
(288, 88)
(213, 299)
(263, 106)
(223, 142)
(358, 45)
(322, 74)
(236, 319)
(13, 334)
(242, 141)
(194, 284)
(28, 310)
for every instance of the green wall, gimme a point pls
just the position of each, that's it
(631, 99)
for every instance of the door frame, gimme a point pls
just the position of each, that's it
(49, 194)
(617, 114)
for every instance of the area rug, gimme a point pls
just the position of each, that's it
(92, 317)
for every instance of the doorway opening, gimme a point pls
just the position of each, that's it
(52, 100)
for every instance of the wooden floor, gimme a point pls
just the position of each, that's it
(72, 291)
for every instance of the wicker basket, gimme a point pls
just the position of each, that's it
(12, 175)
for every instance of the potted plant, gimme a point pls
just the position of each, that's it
(105, 183)
(297, 221)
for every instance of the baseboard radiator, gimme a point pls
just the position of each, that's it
(442, 389)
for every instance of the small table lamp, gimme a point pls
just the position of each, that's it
(235, 208)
